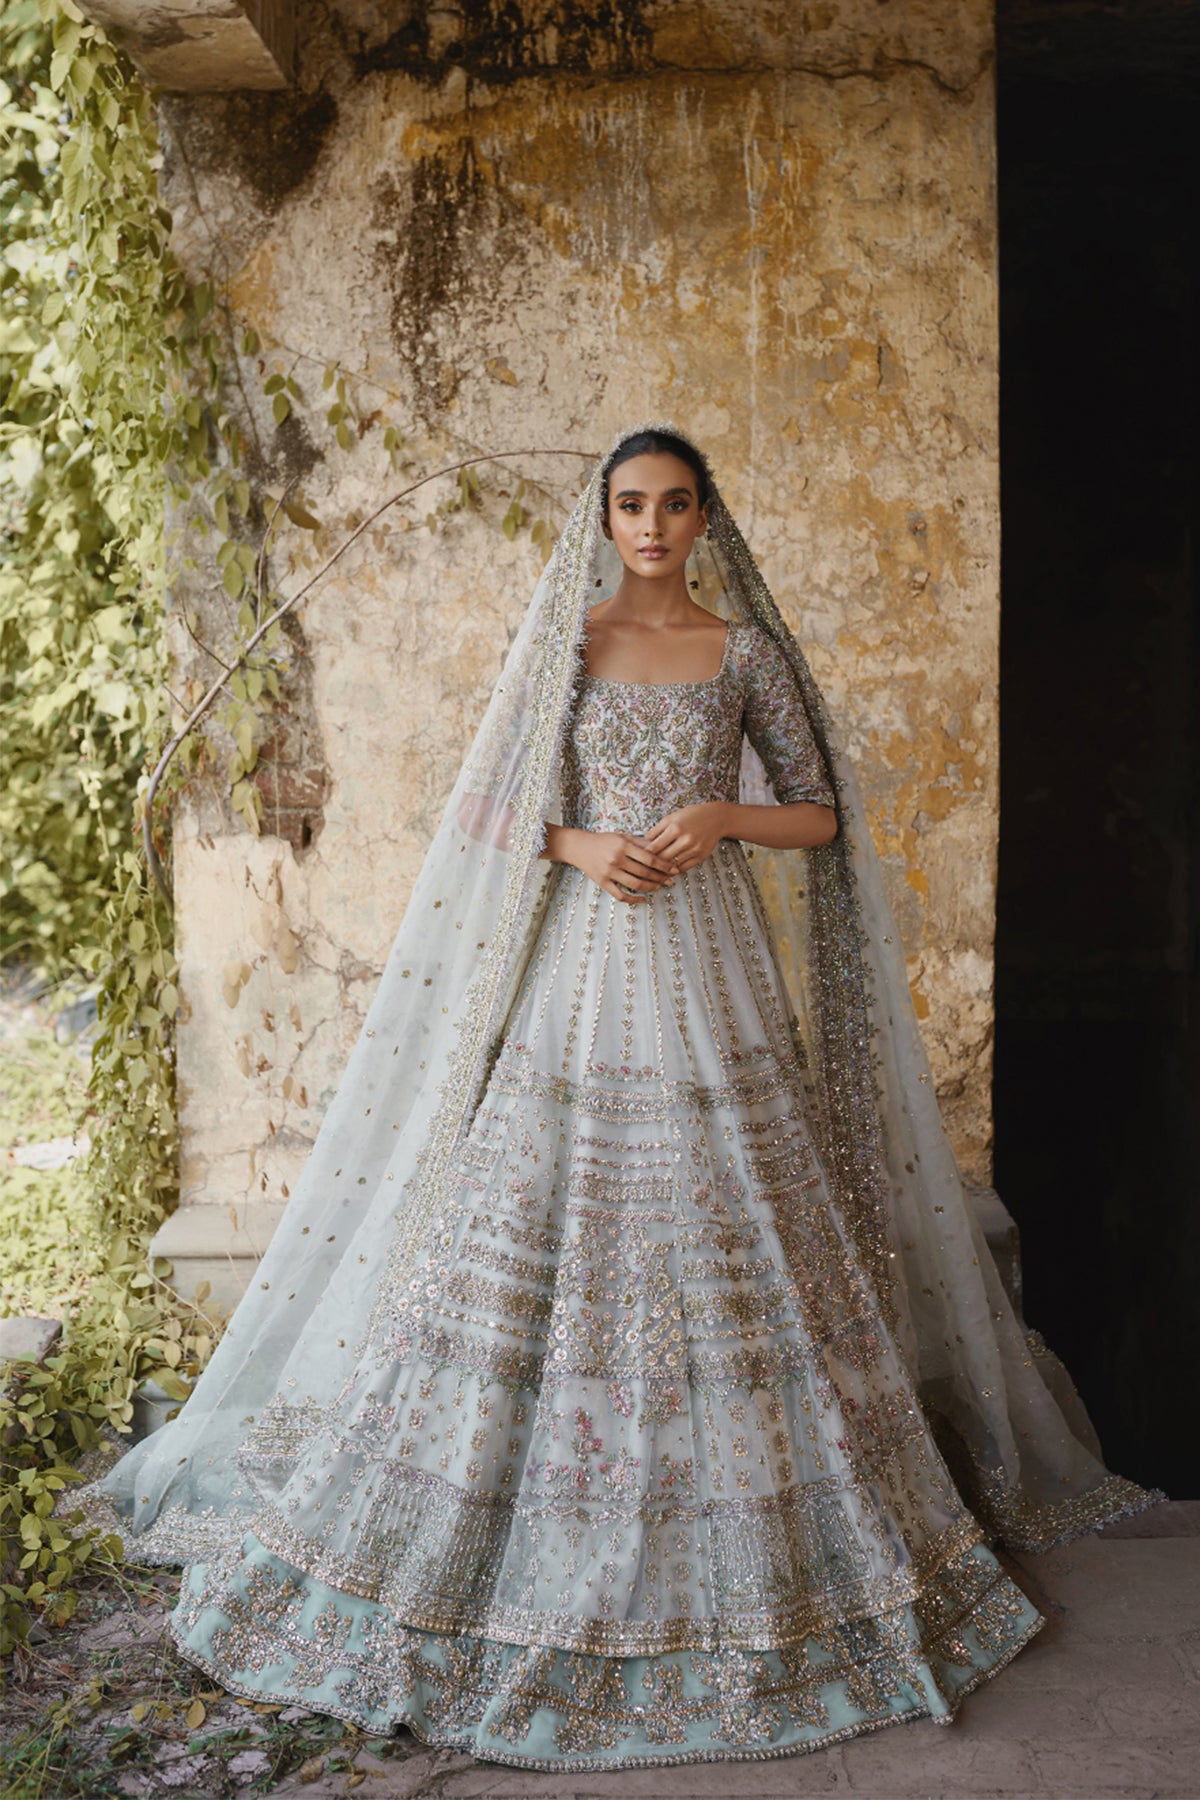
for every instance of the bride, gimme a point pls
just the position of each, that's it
(628, 1380)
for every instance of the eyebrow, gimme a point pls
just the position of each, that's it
(640, 494)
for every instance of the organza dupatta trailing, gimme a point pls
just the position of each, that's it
(1006, 1416)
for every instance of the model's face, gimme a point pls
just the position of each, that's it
(653, 514)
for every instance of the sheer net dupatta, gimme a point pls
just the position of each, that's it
(367, 1196)
(367, 1203)
(1006, 1415)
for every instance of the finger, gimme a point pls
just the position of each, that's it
(663, 860)
(643, 872)
(653, 859)
(625, 870)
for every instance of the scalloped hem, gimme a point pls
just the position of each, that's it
(739, 1753)
(261, 1629)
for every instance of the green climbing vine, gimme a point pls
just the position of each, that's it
(105, 376)
(117, 430)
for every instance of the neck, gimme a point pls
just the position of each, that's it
(653, 602)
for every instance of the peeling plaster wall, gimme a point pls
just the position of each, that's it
(774, 224)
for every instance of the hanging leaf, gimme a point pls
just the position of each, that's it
(300, 515)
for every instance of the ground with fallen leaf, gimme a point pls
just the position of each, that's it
(106, 1706)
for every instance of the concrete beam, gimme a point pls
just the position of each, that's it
(203, 46)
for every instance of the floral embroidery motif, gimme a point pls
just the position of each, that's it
(638, 750)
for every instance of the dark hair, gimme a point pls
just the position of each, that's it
(659, 443)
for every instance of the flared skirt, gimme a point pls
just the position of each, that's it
(630, 1469)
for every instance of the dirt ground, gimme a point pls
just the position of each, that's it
(105, 1706)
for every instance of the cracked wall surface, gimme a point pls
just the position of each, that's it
(774, 224)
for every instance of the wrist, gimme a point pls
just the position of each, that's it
(561, 843)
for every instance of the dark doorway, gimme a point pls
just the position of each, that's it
(1097, 1089)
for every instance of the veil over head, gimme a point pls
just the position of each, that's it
(1007, 1418)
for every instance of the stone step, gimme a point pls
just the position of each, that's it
(28, 1338)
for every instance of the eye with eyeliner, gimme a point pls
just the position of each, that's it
(627, 505)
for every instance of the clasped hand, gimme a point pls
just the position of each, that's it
(633, 868)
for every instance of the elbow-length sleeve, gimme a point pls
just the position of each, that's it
(776, 723)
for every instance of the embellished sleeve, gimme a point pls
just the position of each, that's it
(776, 722)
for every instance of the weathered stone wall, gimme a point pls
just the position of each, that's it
(771, 223)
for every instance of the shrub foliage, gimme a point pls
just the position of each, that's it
(106, 378)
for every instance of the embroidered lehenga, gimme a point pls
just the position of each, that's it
(630, 1447)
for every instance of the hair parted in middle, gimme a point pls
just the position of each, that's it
(656, 442)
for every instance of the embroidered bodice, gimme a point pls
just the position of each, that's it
(637, 750)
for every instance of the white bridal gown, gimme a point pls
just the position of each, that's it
(636, 1473)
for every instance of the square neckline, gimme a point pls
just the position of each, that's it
(705, 681)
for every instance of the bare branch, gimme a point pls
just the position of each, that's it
(203, 705)
(200, 645)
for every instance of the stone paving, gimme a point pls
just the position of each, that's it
(1104, 1704)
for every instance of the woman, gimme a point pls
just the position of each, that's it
(594, 1403)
